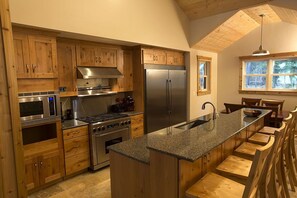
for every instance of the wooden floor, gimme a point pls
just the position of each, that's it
(88, 185)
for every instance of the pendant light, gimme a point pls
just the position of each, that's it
(261, 51)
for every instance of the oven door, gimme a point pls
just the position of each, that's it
(107, 139)
(32, 108)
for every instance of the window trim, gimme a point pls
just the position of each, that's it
(270, 58)
(208, 76)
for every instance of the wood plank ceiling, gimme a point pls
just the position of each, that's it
(238, 25)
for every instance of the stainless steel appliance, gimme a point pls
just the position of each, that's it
(95, 91)
(165, 96)
(39, 107)
(105, 130)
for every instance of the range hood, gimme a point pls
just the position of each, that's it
(98, 72)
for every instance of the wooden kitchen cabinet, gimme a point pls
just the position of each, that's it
(96, 55)
(154, 56)
(137, 126)
(175, 58)
(212, 159)
(36, 55)
(42, 169)
(125, 66)
(67, 68)
(76, 149)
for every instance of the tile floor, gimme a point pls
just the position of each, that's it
(86, 185)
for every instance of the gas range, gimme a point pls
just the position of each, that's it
(105, 130)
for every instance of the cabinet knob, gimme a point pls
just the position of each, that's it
(27, 68)
(41, 163)
(35, 164)
(34, 67)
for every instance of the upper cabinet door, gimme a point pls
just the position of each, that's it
(92, 55)
(67, 68)
(22, 58)
(107, 57)
(43, 56)
(86, 55)
(154, 56)
(175, 58)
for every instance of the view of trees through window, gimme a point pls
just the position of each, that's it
(270, 74)
(286, 74)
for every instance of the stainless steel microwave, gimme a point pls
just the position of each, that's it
(39, 107)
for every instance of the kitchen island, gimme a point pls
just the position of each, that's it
(167, 162)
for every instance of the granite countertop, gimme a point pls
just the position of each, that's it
(68, 124)
(187, 144)
(132, 113)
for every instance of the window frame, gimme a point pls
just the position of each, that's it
(207, 61)
(269, 74)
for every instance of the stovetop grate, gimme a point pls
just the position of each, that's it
(102, 117)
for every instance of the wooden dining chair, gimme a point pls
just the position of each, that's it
(214, 185)
(269, 119)
(251, 101)
(273, 103)
(233, 107)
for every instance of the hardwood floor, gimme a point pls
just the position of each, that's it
(87, 185)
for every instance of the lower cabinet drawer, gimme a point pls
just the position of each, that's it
(76, 163)
(76, 146)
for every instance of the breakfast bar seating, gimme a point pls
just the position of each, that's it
(214, 185)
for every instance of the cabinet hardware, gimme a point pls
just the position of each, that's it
(34, 67)
(35, 164)
(41, 163)
(27, 68)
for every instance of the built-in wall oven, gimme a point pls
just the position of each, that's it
(39, 107)
(106, 130)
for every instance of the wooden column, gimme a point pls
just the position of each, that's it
(11, 149)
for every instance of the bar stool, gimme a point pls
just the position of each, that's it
(247, 150)
(214, 185)
(239, 168)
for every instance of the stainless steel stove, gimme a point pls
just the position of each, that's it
(106, 130)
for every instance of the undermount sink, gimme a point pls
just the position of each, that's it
(192, 124)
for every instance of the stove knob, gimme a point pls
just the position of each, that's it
(98, 129)
(122, 123)
(103, 128)
(94, 130)
(129, 122)
(126, 122)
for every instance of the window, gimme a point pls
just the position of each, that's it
(203, 73)
(273, 73)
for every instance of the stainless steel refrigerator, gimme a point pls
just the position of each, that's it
(165, 96)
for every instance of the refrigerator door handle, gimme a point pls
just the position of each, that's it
(170, 96)
(167, 96)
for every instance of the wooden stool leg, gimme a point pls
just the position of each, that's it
(281, 175)
(291, 164)
(288, 172)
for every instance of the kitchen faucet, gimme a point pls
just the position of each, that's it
(214, 114)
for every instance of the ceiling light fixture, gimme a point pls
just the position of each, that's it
(261, 51)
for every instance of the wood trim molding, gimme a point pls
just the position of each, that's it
(282, 93)
(11, 121)
(208, 91)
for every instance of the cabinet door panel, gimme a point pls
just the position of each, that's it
(75, 146)
(148, 56)
(43, 56)
(49, 167)
(31, 173)
(86, 55)
(137, 126)
(107, 57)
(75, 132)
(212, 159)
(77, 162)
(22, 58)
(67, 68)
(159, 57)
(125, 66)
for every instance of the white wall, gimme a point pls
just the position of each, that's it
(152, 22)
(277, 37)
(197, 101)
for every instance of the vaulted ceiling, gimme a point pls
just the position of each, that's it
(245, 19)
